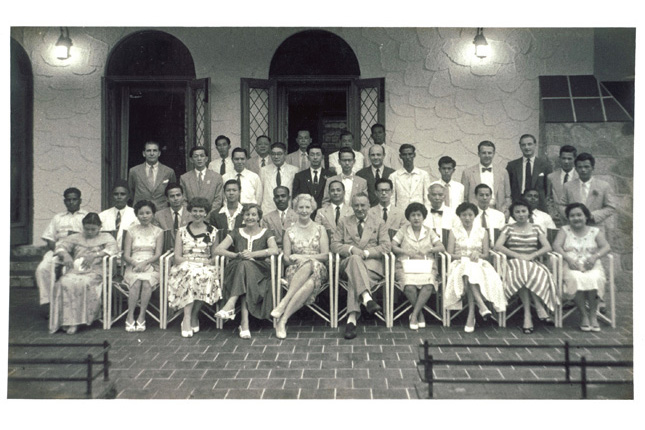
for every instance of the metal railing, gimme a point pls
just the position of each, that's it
(427, 363)
(89, 361)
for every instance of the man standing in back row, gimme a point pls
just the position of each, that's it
(148, 181)
(528, 172)
(201, 181)
(485, 172)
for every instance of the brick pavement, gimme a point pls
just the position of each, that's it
(315, 362)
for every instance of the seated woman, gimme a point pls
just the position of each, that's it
(414, 242)
(194, 278)
(524, 242)
(76, 298)
(248, 274)
(142, 248)
(582, 246)
(306, 248)
(469, 272)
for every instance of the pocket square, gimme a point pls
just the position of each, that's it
(165, 181)
(541, 174)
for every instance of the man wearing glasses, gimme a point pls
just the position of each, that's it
(275, 175)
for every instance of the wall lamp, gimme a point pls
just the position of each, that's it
(482, 48)
(63, 45)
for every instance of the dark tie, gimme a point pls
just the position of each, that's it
(263, 163)
(436, 211)
(278, 179)
(282, 218)
(239, 180)
(487, 169)
(360, 229)
(337, 214)
(315, 177)
(222, 168)
(484, 223)
(384, 214)
(117, 223)
(527, 175)
(566, 177)
(378, 175)
(175, 226)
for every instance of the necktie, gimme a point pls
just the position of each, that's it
(222, 167)
(566, 177)
(315, 177)
(384, 214)
(282, 218)
(303, 161)
(278, 179)
(484, 223)
(151, 176)
(446, 196)
(200, 179)
(117, 223)
(378, 175)
(487, 169)
(360, 229)
(527, 175)
(337, 214)
(264, 163)
(239, 180)
(175, 226)
(436, 211)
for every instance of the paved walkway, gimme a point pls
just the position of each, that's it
(315, 362)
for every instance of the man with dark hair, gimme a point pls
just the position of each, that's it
(277, 174)
(410, 183)
(377, 170)
(453, 191)
(176, 214)
(283, 217)
(201, 181)
(120, 216)
(390, 151)
(312, 180)
(262, 157)
(299, 157)
(346, 141)
(529, 171)
(393, 217)
(353, 184)
(223, 164)
(330, 214)
(557, 179)
(229, 216)
(488, 217)
(147, 181)
(538, 217)
(61, 226)
(250, 184)
(486, 172)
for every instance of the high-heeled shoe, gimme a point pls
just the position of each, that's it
(486, 314)
(130, 327)
(140, 326)
(276, 313)
(468, 329)
(280, 333)
(413, 326)
(195, 329)
(244, 334)
(225, 315)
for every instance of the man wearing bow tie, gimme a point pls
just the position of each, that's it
(353, 184)
(485, 172)
(528, 171)
(440, 217)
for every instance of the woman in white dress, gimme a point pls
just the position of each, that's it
(469, 272)
(582, 247)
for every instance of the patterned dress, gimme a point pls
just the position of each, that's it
(480, 272)
(76, 297)
(250, 277)
(581, 248)
(309, 246)
(195, 278)
(144, 243)
(407, 240)
(532, 275)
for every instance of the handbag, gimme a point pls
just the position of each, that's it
(418, 266)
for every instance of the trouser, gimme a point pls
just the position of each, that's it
(44, 277)
(361, 274)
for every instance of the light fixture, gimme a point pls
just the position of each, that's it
(63, 45)
(482, 48)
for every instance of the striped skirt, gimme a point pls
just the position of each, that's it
(535, 277)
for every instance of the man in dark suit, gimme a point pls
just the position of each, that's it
(148, 181)
(312, 180)
(202, 182)
(374, 172)
(529, 171)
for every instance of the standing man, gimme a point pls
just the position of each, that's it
(312, 180)
(361, 241)
(262, 157)
(275, 175)
(202, 182)
(120, 216)
(453, 190)
(229, 217)
(556, 180)
(250, 183)
(390, 151)
(283, 217)
(410, 183)
(223, 164)
(543, 219)
(377, 170)
(346, 141)
(488, 217)
(299, 157)
(61, 226)
(440, 216)
(176, 214)
(496, 177)
(528, 171)
(329, 215)
(353, 184)
(393, 217)
(148, 181)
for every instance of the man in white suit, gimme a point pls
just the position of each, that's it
(496, 177)
(201, 181)
(410, 183)
(556, 181)
(277, 174)
(148, 181)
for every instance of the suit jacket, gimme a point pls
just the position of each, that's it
(601, 201)
(540, 170)
(255, 165)
(555, 193)
(368, 175)
(295, 158)
(272, 221)
(327, 216)
(471, 177)
(166, 219)
(303, 183)
(212, 187)
(395, 218)
(375, 238)
(359, 186)
(140, 188)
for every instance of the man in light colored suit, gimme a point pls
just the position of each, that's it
(346, 141)
(377, 170)
(283, 217)
(453, 190)
(360, 240)
(496, 177)
(119, 217)
(594, 193)
(390, 152)
(410, 183)
(201, 181)
(277, 174)
(556, 181)
(250, 183)
(488, 217)
(223, 164)
(148, 181)
(353, 184)
(393, 217)
(440, 217)
(176, 214)
(528, 171)
(262, 155)
(329, 215)
(299, 158)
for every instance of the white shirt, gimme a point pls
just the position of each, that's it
(572, 175)
(584, 189)
(230, 219)
(216, 163)
(439, 222)
(251, 185)
(155, 169)
(108, 221)
(494, 220)
(410, 187)
(63, 223)
(540, 218)
(348, 182)
(358, 162)
(268, 178)
(456, 192)
(488, 179)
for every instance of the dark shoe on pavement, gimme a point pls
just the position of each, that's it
(350, 331)
(372, 307)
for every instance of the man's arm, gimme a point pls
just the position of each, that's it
(609, 204)
(464, 182)
(219, 193)
(507, 192)
(338, 245)
(384, 245)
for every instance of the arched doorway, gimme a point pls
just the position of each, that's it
(22, 124)
(313, 84)
(150, 93)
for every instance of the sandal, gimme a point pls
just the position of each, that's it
(130, 327)
(244, 334)
(141, 326)
(527, 330)
(225, 315)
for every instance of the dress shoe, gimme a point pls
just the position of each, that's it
(195, 329)
(414, 326)
(225, 315)
(372, 307)
(350, 331)
(486, 314)
(468, 329)
(186, 333)
(595, 328)
(527, 330)
(585, 328)
(244, 334)
(71, 329)
(281, 332)
(422, 324)
(276, 313)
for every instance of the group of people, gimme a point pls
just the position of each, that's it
(247, 210)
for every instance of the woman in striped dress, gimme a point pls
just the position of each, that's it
(523, 242)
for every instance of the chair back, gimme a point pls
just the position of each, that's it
(168, 240)
(551, 234)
